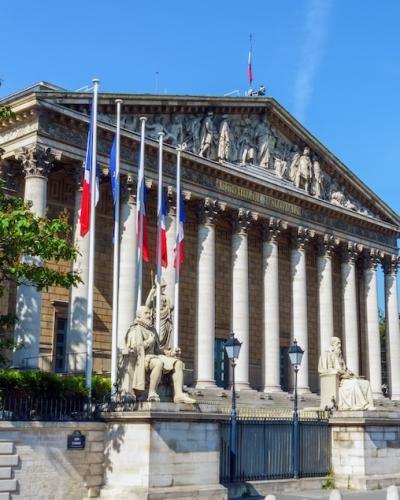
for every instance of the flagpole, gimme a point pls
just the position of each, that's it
(92, 235)
(140, 201)
(114, 330)
(159, 215)
(177, 248)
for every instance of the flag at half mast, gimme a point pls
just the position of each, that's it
(141, 216)
(181, 234)
(249, 66)
(163, 232)
(85, 199)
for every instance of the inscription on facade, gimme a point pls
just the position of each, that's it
(260, 198)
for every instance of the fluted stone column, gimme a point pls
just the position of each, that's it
(392, 326)
(127, 258)
(350, 307)
(36, 163)
(77, 308)
(271, 344)
(372, 323)
(240, 294)
(205, 338)
(326, 249)
(168, 273)
(299, 301)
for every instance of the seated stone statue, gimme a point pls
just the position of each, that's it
(147, 356)
(354, 393)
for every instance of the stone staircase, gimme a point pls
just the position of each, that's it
(8, 460)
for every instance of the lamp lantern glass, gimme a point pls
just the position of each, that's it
(232, 347)
(295, 354)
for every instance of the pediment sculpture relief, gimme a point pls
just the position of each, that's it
(248, 140)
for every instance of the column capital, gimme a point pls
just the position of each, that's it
(372, 258)
(327, 245)
(36, 160)
(128, 189)
(390, 263)
(241, 220)
(208, 210)
(350, 251)
(78, 171)
(272, 228)
(300, 236)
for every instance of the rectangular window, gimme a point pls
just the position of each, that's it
(60, 343)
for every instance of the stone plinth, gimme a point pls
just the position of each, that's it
(366, 449)
(162, 451)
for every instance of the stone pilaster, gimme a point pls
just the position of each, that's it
(240, 293)
(77, 308)
(36, 164)
(371, 261)
(205, 339)
(300, 237)
(326, 249)
(350, 253)
(390, 266)
(271, 345)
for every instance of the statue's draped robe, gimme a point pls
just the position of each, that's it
(142, 342)
(354, 393)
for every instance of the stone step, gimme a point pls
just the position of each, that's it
(6, 448)
(5, 472)
(8, 460)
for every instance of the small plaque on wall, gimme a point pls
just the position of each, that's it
(76, 441)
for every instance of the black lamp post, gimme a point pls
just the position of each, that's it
(232, 348)
(295, 355)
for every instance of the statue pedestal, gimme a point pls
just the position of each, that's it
(329, 389)
(163, 450)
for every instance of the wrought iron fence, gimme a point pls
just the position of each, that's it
(264, 449)
(12, 408)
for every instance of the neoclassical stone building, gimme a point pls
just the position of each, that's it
(282, 241)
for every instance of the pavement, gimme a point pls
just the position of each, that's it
(324, 495)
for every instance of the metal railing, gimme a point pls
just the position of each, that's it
(264, 449)
(19, 408)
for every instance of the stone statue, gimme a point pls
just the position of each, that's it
(246, 146)
(166, 308)
(225, 140)
(295, 156)
(354, 393)
(318, 180)
(192, 133)
(265, 141)
(148, 357)
(156, 127)
(303, 170)
(280, 167)
(174, 131)
(208, 137)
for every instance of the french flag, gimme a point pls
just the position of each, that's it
(249, 68)
(85, 199)
(181, 235)
(141, 216)
(163, 232)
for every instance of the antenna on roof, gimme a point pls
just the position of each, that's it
(157, 80)
(234, 92)
(86, 88)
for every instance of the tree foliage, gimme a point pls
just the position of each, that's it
(24, 234)
(6, 112)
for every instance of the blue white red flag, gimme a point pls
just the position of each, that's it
(141, 215)
(163, 232)
(85, 199)
(181, 234)
(113, 170)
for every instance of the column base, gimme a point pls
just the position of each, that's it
(206, 384)
(242, 386)
(395, 397)
(377, 395)
(303, 390)
(270, 389)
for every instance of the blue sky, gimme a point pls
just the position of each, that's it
(334, 64)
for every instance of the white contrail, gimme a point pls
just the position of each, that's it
(314, 35)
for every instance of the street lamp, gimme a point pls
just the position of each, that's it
(232, 348)
(295, 355)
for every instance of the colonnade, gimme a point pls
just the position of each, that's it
(300, 239)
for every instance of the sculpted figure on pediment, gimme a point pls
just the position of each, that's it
(318, 182)
(174, 131)
(301, 170)
(208, 138)
(155, 127)
(247, 148)
(294, 160)
(129, 122)
(225, 140)
(192, 127)
(265, 140)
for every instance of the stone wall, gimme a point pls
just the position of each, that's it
(36, 465)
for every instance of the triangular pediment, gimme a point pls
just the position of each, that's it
(255, 134)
